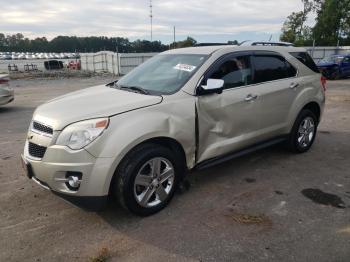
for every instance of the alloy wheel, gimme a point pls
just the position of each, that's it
(154, 182)
(306, 132)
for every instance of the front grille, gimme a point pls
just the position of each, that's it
(42, 128)
(36, 150)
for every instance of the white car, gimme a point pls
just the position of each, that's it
(6, 93)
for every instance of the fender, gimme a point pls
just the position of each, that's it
(130, 129)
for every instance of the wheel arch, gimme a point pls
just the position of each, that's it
(167, 142)
(315, 108)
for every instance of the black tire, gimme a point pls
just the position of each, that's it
(335, 75)
(293, 143)
(123, 184)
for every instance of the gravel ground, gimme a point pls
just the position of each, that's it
(268, 206)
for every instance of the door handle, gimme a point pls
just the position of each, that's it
(250, 97)
(293, 85)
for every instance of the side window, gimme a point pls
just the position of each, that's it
(235, 72)
(271, 67)
(306, 59)
(291, 71)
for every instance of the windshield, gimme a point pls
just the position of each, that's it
(163, 74)
(332, 59)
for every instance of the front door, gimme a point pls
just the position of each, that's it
(228, 121)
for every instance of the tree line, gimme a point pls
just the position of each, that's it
(19, 43)
(332, 24)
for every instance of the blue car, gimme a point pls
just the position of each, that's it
(335, 66)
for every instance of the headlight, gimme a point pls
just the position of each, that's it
(79, 135)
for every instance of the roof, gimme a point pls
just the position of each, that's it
(207, 50)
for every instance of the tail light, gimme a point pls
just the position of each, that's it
(3, 81)
(324, 83)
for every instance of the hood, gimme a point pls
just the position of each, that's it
(94, 102)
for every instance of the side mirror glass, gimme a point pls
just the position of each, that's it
(213, 86)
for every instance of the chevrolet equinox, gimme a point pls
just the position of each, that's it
(184, 109)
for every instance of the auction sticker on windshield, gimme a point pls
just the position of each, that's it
(184, 67)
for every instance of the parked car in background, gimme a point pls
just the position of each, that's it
(335, 66)
(53, 65)
(6, 93)
(181, 110)
(74, 65)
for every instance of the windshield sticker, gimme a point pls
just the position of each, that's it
(184, 67)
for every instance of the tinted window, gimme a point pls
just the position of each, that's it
(235, 72)
(270, 67)
(291, 71)
(306, 59)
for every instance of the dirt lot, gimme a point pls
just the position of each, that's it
(255, 208)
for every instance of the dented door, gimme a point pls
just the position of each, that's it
(229, 121)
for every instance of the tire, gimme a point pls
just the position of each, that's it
(335, 75)
(304, 132)
(136, 179)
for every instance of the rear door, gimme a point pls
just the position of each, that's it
(278, 88)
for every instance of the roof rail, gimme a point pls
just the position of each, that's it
(209, 44)
(264, 43)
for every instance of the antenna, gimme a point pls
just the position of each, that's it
(151, 17)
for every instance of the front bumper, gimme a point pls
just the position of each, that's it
(50, 172)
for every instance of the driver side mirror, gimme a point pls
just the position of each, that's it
(213, 86)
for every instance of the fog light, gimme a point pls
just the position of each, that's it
(73, 180)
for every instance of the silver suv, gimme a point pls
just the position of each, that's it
(184, 109)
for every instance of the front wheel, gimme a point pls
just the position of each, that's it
(303, 132)
(147, 178)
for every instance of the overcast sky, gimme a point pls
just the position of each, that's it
(205, 20)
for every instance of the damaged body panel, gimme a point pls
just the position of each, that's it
(226, 122)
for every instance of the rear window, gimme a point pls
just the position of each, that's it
(272, 67)
(306, 59)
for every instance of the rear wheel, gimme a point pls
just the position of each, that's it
(147, 178)
(335, 75)
(303, 132)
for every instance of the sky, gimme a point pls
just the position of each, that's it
(204, 20)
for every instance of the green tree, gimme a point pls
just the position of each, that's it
(188, 42)
(294, 29)
(332, 22)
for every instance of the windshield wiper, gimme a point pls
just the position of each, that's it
(134, 88)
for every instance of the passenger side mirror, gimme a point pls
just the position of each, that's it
(213, 86)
